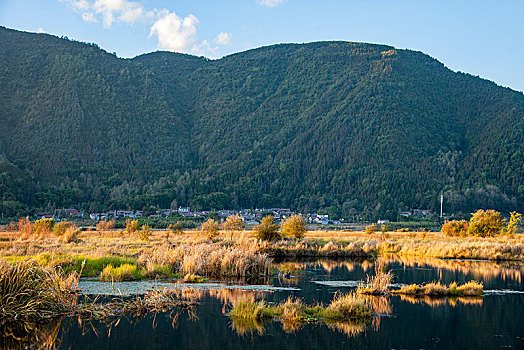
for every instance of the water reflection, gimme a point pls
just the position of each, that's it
(482, 270)
(26, 335)
(435, 302)
(417, 322)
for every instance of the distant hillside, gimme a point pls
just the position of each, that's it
(342, 128)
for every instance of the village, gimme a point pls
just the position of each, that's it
(249, 216)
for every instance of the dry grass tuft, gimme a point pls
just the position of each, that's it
(377, 284)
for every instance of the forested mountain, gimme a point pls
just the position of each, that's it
(339, 127)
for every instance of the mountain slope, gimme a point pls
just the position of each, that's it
(342, 127)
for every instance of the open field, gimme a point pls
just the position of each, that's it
(130, 248)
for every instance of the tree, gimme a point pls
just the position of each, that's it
(294, 226)
(234, 223)
(267, 230)
(370, 229)
(485, 223)
(455, 228)
(513, 223)
(210, 228)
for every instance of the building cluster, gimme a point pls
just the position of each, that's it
(250, 216)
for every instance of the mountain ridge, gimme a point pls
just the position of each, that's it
(333, 126)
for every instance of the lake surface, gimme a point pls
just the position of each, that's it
(494, 321)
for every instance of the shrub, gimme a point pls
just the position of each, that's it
(132, 226)
(176, 228)
(43, 227)
(210, 228)
(485, 223)
(26, 227)
(294, 226)
(370, 229)
(70, 234)
(234, 223)
(105, 225)
(60, 227)
(145, 232)
(267, 230)
(455, 228)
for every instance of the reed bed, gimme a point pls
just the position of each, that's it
(306, 248)
(436, 289)
(458, 248)
(209, 260)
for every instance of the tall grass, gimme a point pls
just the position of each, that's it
(209, 260)
(377, 284)
(30, 292)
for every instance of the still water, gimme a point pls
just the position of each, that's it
(494, 321)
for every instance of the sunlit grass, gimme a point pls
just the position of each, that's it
(471, 288)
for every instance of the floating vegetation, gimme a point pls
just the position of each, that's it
(343, 307)
(471, 288)
(347, 312)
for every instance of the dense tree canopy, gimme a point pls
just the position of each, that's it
(344, 128)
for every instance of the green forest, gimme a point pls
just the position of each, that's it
(353, 130)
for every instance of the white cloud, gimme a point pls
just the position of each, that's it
(89, 17)
(269, 3)
(223, 38)
(175, 33)
(40, 30)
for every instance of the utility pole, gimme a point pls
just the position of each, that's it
(441, 204)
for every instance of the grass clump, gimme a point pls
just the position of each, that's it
(29, 292)
(436, 289)
(346, 306)
(191, 278)
(125, 272)
(377, 284)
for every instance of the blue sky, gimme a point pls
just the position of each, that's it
(482, 37)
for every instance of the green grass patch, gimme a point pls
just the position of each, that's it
(125, 272)
(191, 278)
